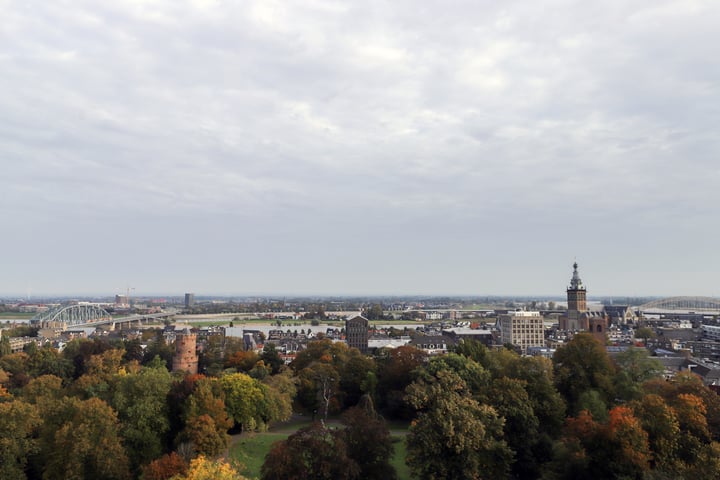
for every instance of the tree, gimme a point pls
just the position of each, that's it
(581, 365)
(659, 420)
(88, 445)
(19, 422)
(627, 447)
(141, 402)
(454, 436)
(271, 357)
(206, 420)
(5, 348)
(165, 467)
(476, 378)
(368, 443)
(521, 429)
(203, 469)
(689, 383)
(395, 367)
(645, 333)
(16, 366)
(353, 376)
(547, 404)
(635, 367)
(242, 360)
(374, 312)
(158, 346)
(47, 361)
(205, 437)
(312, 452)
(243, 395)
(617, 449)
(47, 388)
(133, 350)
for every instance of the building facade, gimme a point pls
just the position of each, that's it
(522, 329)
(356, 333)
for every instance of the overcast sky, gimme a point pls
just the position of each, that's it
(322, 147)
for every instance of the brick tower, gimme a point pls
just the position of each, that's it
(186, 358)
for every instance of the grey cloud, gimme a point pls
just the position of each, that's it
(325, 120)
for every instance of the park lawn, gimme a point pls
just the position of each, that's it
(398, 460)
(250, 451)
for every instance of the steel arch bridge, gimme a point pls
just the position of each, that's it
(72, 315)
(688, 304)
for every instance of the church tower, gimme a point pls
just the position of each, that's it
(575, 320)
(576, 293)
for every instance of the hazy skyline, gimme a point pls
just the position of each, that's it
(323, 147)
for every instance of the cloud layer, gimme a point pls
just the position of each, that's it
(359, 147)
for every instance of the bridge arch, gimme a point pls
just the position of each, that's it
(71, 315)
(688, 304)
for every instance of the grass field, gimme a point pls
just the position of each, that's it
(250, 450)
(398, 460)
(20, 315)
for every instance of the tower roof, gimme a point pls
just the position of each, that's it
(575, 281)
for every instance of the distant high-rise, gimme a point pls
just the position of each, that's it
(121, 301)
(189, 300)
(356, 333)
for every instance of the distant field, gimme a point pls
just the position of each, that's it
(20, 315)
(479, 306)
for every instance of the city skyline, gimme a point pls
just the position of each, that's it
(346, 148)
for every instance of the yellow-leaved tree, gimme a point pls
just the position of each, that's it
(202, 468)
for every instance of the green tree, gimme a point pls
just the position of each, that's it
(645, 333)
(141, 402)
(16, 365)
(88, 444)
(19, 422)
(47, 361)
(368, 443)
(243, 396)
(206, 420)
(353, 376)
(374, 312)
(315, 452)
(395, 373)
(133, 351)
(159, 347)
(659, 420)
(5, 348)
(271, 357)
(522, 428)
(634, 367)
(582, 365)
(454, 436)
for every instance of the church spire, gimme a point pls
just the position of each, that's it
(575, 282)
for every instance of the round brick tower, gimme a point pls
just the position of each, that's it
(185, 359)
